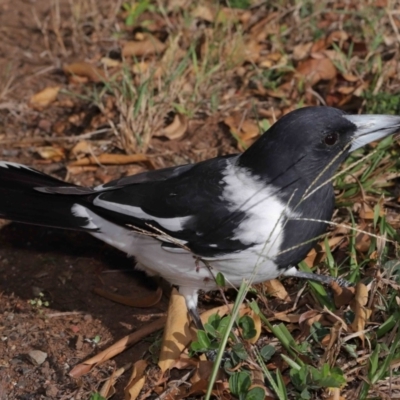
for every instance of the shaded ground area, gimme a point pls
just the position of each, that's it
(64, 267)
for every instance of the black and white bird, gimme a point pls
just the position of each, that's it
(250, 216)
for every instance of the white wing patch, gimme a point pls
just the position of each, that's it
(81, 211)
(6, 164)
(171, 224)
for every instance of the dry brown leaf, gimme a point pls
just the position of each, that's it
(350, 77)
(342, 295)
(117, 159)
(367, 212)
(148, 46)
(264, 27)
(319, 45)
(286, 317)
(346, 89)
(315, 70)
(136, 381)
(108, 388)
(337, 36)
(44, 98)
(318, 254)
(362, 314)
(82, 148)
(363, 240)
(52, 153)
(302, 51)
(203, 372)
(275, 288)
(176, 333)
(79, 170)
(332, 343)
(118, 347)
(311, 259)
(307, 319)
(140, 67)
(240, 51)
(197, 388)
(176, 129)
(335, 394)
(221, 311)
(205, 12)
(110, 62)
(245, 130)
(86, 70)
(185, 362)
(143, 302)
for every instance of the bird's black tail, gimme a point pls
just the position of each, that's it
(21, 201)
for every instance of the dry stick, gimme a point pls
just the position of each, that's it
(175, 385)
(144, 302)
(118, 347)
(56, 139)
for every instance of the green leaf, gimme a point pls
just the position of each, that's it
(210, 329)
(351, 349)
(388, 325)
(214, 320)
(97, 339)
(267, 352)
(254, 306)
(203, 339)
(248, 327)
(239, 350)
(224, 324)
(305, 394)
(96, 396)
(374, 362)
(239, 383)
(291, 363)
(197, 348)
(256, 393)
(377, 210)
(220, 279)
(242, 4)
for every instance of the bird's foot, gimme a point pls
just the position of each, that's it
(327, 280)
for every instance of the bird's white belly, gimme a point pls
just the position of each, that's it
(186, 270)
(181, 267)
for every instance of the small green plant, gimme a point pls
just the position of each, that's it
(95, 341)
(39, 301)
(211, 339)
(215, 329)
(239, 385)
(135, 10)
(307, 377)
(96, 396)
(241, 4)
(381, 103)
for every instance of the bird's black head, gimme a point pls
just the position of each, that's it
(298, 156)
(306, 146)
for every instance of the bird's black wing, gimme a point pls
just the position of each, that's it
(185, 202)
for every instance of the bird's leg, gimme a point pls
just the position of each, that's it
(196, 319)
(327, 280)
(191, 297)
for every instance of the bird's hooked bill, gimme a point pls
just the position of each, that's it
(372, 127)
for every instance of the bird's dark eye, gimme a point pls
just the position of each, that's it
(331, 138)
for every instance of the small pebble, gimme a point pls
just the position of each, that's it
(37, 357)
